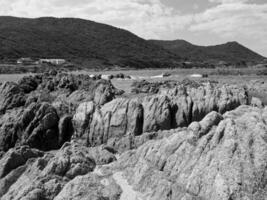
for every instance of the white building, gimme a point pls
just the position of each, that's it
(53, 61)
(25, 61)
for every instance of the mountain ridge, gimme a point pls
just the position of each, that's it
(78, 39)
(228, 52)
(95, 44)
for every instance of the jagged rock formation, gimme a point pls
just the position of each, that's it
(218, 158)
(37, 111)
(11, 96)
(75, 88)
(27, 174)
(118, 121)
(154, 87)
(184, 141)
(90, 186)
(8, 123)
(55, 88)
(17, 157)
(65, 129)
(36, 126)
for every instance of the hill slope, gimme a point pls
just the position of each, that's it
(79, 40)
(93, 44)
(231, 52)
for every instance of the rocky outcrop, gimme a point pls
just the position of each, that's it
(157, 113)
(44, 177)
(40, 125)
(17, 157)
(64, 174)
(36, 126)
(114, 120)
(154, 87)
(79, 88)
(90, 186)
(82, 118)
(38, 110)
(178, 142)
(65, 129)
(257, 92)
(145, 87)
(8, 129)
(193, 104)
(28, 83)
(11, 96)
(103, 154)
(220, 157)
(13, 165)
(54, 88)
(118, 122)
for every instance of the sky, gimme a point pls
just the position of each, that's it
(201, 22)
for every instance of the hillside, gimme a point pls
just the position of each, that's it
(231, 52)
(78, 40)
(92, 44)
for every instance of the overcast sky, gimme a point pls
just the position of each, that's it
(202, 22)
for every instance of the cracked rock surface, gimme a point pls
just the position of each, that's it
(71, 137)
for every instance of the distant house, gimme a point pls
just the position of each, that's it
(53, 61)
(26, 61)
